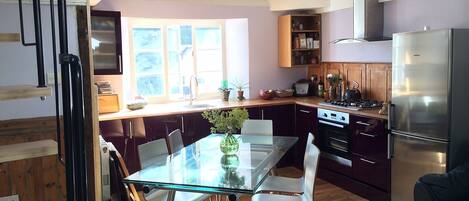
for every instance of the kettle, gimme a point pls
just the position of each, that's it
(353, 94)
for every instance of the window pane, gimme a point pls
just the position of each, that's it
(147, 38)
(148, 62)
(150, 85)
(207, 38)
(186, 35)
(173, 36)
(173, 62)
(209, 60)
(175, 86)
(209, 82)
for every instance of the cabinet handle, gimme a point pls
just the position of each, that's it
(367, 161)
(363, 123)
(390, 146)
(368, 135)
(182, 124)
(120, 63)
(262, 114)
(305, 111)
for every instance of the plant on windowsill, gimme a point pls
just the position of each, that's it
(240, 86)
(226, 92)
(227, 122)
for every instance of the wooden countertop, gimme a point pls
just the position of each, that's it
(183, 108)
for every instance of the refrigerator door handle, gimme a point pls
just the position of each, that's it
(390, 145)
(391, 115)
(417, 137)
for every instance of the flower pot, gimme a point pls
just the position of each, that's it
(229, 145)
(226, 95)
(241, 95)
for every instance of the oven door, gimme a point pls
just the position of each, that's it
(335, 139)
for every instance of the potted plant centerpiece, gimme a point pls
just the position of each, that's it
(227, 122)
(240, 86)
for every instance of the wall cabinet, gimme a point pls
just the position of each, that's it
(106, 42)
(299, 40)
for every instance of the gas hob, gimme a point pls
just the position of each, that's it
(353, 105)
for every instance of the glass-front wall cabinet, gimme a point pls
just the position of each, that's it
(106, 42)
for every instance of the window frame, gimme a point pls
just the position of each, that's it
(164, 24)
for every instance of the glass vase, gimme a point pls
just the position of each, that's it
(229, 145)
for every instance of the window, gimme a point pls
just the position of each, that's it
(166, 54)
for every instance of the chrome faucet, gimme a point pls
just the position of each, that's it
(191, 94)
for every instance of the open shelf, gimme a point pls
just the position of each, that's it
(21, 151)
(23, 91)
(306, 49)
(305, 31)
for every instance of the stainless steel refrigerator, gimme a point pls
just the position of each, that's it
(428, 116)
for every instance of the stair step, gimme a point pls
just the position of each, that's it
(23, 91)
(27, 150)
(10, 37)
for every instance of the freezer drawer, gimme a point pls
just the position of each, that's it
(414, 157)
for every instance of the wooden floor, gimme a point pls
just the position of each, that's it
(323, 191)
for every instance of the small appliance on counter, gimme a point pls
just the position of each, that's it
(303, 87)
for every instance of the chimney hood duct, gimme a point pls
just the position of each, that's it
(367, 22)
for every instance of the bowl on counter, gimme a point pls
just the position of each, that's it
(284, 93)
(266, 94)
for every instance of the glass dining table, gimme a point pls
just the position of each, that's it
(201, 167)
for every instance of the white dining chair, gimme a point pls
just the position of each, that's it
(287, 185)
(307, 194)
(175, 142)
(155, 152)
(257, 127)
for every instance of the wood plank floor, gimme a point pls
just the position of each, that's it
(324, 191)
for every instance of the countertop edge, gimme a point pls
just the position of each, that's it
(308, 102)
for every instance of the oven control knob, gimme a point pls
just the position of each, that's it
(324, 115)
(343, 118)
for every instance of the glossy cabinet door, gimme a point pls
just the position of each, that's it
(106, 42)
(282, 118)
(305, 122)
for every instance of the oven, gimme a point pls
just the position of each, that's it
(335, 136)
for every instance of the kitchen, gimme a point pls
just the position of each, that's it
(364, 169)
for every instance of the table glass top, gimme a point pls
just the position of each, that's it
(202, 167)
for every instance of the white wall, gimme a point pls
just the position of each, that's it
(237, 51)
(264, 72)
(18, 63)
(399, 16)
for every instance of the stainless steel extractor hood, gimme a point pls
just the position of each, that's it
(367, 22)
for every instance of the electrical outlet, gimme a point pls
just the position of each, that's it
(51, 81)
(10, 198)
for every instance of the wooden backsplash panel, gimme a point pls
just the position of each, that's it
(374, 78)
(34, 179)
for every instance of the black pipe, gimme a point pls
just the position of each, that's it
(23, 40)
(41, 76)
(56, 85)
(81, 185)
(66, 103)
